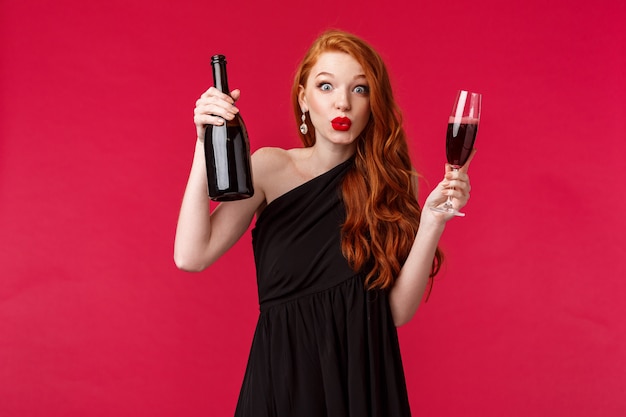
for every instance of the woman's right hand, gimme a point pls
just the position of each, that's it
(213, 107)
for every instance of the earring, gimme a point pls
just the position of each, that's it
(304, 129)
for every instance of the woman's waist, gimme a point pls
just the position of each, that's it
(283, 294)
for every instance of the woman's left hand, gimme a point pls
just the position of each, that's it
(455, 184)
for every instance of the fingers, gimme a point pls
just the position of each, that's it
(213, 107)
(455, 188)
(454, 174)
(214, 92)
(458, 193)
(456, 184)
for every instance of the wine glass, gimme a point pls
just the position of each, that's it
(460, 137)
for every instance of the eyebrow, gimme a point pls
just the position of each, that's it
(356, 77)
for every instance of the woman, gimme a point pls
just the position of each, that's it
(342, 249)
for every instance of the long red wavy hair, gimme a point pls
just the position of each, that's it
(382, 212)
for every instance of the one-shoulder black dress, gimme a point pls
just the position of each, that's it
(324, 346)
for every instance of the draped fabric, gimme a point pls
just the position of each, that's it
(324, 346)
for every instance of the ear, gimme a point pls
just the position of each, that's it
(302, 99)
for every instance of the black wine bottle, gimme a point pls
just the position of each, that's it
(227, 149)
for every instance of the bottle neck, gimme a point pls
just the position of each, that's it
(220, 79)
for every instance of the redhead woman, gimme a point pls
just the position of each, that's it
(343, 251)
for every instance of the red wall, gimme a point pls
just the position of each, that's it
(96, 139)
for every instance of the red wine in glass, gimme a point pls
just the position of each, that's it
(460, 136)
(460, 141)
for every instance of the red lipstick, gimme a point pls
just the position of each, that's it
(341, 123)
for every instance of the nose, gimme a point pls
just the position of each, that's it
(342, 100)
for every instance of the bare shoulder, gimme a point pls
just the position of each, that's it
(275, 170)
(268, 159)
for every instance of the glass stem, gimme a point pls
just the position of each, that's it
(448, 204)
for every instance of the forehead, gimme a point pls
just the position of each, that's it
(336, 64)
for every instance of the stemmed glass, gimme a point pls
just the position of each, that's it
(460, 137)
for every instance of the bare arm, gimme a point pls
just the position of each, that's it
(201, 236)
(408, 290)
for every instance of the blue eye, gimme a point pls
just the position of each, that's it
(324, 86)
(361, 89)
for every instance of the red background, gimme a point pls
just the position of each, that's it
(96, 138)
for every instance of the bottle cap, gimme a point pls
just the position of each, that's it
(217, 58)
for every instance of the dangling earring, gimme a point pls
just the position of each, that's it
(304, 129)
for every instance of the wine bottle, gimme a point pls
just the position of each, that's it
(227, 149)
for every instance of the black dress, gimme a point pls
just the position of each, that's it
(323, 346)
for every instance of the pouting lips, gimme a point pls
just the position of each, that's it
(341, 123)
